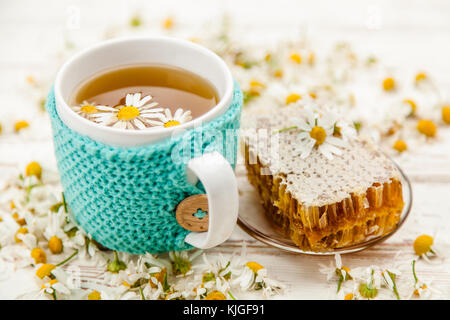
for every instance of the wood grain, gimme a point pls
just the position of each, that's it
(187, 210)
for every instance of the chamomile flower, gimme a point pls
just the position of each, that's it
(420, 288)
(317, 132)
(369, 289)
(54, 287)
(423, 247)
(90, 110)
(135, 114)
(340, 271)
(168, 120)
(389, 276)
(288, 95)
(54, 231)
(254, 277)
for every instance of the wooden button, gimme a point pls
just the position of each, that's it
(192, 213)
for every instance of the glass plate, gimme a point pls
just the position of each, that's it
(253, 220)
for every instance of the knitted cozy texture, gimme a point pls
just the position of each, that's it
(125, 198)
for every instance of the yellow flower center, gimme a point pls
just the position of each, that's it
(95, 295)
(311, 58)
(423, 244)
(296, 58)
(293, 97)
(421, 76)
(20, 231)
(417, 293)
(412, 104)
(38, 255)
(388, 84)
(159, 276)
(45, 270)
(128, 113)
(49, 284)
(400, 145)
(168, 23)
(55, 245)
(318, 134)
(33, 169)
(257, 84)
(31, 80)
(88, 109)
(254, 266)
(19, 125)
(446, 114)
(427, 128)
(215, 295)
(20, 221)
(346, 269)
(278, 73)
(348, 296)
(171, 123)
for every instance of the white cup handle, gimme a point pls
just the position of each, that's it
(219, 181)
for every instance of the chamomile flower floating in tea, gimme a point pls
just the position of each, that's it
(135, 114)
(168, 120)
(88, 110)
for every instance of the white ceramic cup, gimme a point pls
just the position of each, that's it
(212, 169)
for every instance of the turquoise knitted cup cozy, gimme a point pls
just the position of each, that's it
(125, 198)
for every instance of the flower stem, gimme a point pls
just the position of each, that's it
(394, 287)
(287, 129)
(142, 293)
(67, 260)
(414, 272)
(64, 202)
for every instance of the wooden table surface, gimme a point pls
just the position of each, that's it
(410, 35)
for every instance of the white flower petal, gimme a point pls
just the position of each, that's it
(129, 99)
